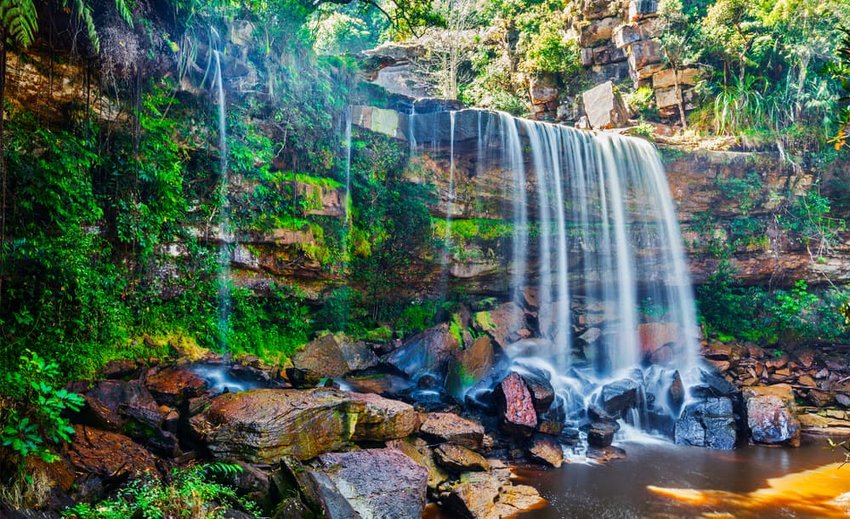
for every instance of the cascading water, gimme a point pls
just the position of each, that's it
(593, 223)
(226, 236)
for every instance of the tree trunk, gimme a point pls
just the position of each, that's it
(679, 101)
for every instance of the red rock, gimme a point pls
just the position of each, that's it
(718, 351)
(451, 428)
(755, 352)
(820, 398)
(719, 365)
(771, 416)
(776, 363)
(171, 386)
(108, 454)
(547, 450)
(516, 404)
(806, 380)
(806, 358)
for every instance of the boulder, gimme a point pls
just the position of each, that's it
(619, 395)
(676, 392)
(601, 434)
(502, 323)
(597, 31)
(367, 484)
(334, 356)
(418, 450)
(459, 459)
(381, 418)
(451, 428)
(266, 425)
(489, 495)
(626, 34)
(667, 78)
(516, 406)
(109, 455)
(595, 9)
(771, 416)
(172, 386)
(547, 450)
(707, 423)
(124, 397)
(471, 365)
(429, 351)
(604, 107)
(538, 384)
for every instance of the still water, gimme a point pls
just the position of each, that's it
(659, 480)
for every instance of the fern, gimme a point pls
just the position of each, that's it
(84, 16)
(19, 19)
(123, 7)
(223, 469)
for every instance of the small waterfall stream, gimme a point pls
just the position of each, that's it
(227, 239)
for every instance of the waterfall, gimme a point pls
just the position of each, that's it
(227, 240)
(594, 227)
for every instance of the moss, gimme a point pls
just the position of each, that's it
(484, 321)
(456, 329)
(303, 178)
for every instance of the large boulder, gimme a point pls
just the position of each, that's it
(451, 428)
(419, 451)
(546, 449)
(429, 351)
(516, 406)
(334, 355)
(771, 415)
(604, 107)
(489, 495)
(707, 423)
(620, 395)
(538, 384)
(459, 459)
(109, 455)
(172, 386)
(266, 425)
(367, 484)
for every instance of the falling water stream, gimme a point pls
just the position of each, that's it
(593, 220)
(225, 231)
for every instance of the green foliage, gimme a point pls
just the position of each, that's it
(808, 218)
(642, 101)
(550, 51)
(416, 317)
(20, 20)
(35, 425)
(192, 492)
(744, 190)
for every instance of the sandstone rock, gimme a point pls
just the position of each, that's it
(116, 369)
(381, 418)
(489, 495)
(515, 404)
(430, 350)
(543, 89)
(547, 450)
(595, 9)
(820, 398)
(333, 356)
(172, 386)
(708, 423)
(770, 414)
(266, 425)
(470, 366)
(606, 454)
(503, 323)
(109, 455)
(604, 107)
(601, 434)
(597, 31)
(718, 351)
(418, 450)
(626, 34)
(451, 428)
(459, 459)
(369, 484)
(667, 78)
(842, 399)
(806, 358)
(121, 397)
(538, 384)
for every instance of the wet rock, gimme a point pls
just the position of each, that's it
(334, 356)
(547, 450)
(302, 379)
(451, 428)
(369, 484)
(172, 386)
(538, 384)
(601, 434)
(429, 351)
(109, 455)
(502, 323)
(470, 366)
(266, 425)
(122, 397)
(606, 454)
(618, 396)
(604, 106)
(653, 336)
(118, 369)
(771, 416)
(713, 385)
(676, 392)
(516, 407)
(708, 423)
(459, 459)
(530, 348)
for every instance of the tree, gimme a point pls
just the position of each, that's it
(730, 25)
(679, 46)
